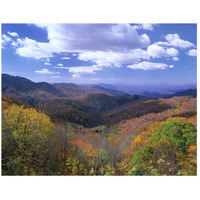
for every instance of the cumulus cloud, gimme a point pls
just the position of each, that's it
(84, 69)
(76, 75)
(45, 71)
(175, 58)
(94, 37)
(192, 52)
(106, 45)
(13, 34)
(145, 26)
(149, 66)
(66, 58)
(117, 59)
(32, 49)
(175, 41)
(46, 63)
(14, 44)
(80, 70)
(156, 51)
(102, 58)
(172, 52)
(5, 39)
(45, 59)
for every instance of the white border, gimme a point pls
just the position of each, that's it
(102, 11)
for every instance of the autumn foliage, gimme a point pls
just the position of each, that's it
(151, 141)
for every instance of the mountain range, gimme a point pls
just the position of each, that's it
(87, 105)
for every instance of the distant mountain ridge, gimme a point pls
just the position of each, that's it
(85, 105)
(31, 92)
(190, 92)
(111, 91)
(154, 91)
(154, 94)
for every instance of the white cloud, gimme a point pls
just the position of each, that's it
(175, 58)
(156, 51)
(45, 71)
(65, 58)
(192, 52)
(105, 45)
(13, 34)
(175, 41)
(55, 77)
(117, 59)
(46, 60)
(94, 37)
(32, 49)
(14, 44)
(76, 75)
(84, 69)
(172, 52)
(102, 58)
(149, 66)
(80, 70)
(144, 26)
(61, 67)
(5, 39)
(46, 63)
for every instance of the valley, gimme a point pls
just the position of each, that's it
(70, 129)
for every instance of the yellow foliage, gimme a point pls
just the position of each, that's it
(26, 122)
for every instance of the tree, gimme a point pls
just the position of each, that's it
(168, 149)
(24, 136)
(81, 157)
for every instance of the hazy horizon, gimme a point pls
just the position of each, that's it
(120, 86)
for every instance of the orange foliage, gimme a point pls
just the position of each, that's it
(192, 148)
(81, 147)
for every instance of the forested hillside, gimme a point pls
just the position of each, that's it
(68, 129)
(39, 93)
(158, 137)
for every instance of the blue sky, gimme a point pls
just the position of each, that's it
(101, 53)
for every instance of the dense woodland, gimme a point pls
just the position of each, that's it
(97, 133)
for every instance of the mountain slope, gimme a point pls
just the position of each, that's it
(73, 90)
(132, 110)
(104, 102)
(35, 93)
(154, 94)
(190, 92)
(111, 91)
(86, 111)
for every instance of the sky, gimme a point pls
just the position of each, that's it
(101, 53)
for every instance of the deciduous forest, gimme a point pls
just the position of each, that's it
(98, 134)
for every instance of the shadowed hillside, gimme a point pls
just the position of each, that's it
(190, 92)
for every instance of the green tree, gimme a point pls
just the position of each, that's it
(168, 151)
